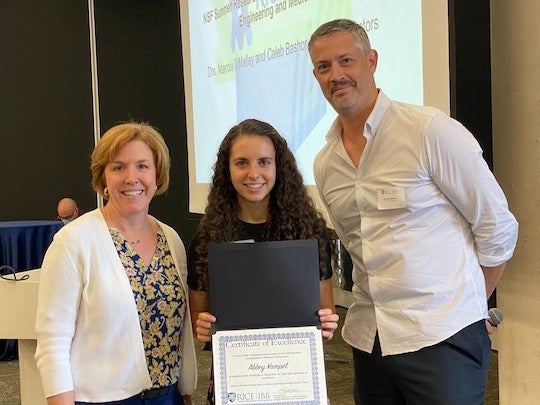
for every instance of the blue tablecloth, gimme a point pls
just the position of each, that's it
(22, 246)
(23, 243)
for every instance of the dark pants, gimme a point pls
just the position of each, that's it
(453, 372)
(173, 398)
(8, 349)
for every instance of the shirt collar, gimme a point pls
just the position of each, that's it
(334, 132)
(377, 114)
(372, 124)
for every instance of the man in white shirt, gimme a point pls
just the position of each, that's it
(427, 226)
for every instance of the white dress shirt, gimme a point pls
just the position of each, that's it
(419, 216)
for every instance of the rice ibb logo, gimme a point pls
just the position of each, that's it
(247, 396)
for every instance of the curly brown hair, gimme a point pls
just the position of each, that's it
(292, 213)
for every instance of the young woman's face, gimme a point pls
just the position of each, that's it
(252, 165)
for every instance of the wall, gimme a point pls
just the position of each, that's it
(470, 79)
(516, 141)
(45, 88)
(46, 107)
(46, 93)
(140, 77)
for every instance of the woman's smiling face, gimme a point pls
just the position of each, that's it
(252, 165)
(131, 178)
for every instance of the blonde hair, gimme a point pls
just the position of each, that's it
(115, 138)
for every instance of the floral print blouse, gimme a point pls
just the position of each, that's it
(161, 303)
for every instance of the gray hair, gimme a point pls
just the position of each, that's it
(342, 25)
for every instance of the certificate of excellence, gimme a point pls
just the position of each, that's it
(269, 366)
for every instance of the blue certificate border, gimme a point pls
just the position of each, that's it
(223, 340)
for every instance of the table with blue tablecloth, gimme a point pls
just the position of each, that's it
(23, 243)
(22, 247)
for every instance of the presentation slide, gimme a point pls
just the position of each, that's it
(249, 59)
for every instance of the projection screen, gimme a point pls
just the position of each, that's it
(249, 59)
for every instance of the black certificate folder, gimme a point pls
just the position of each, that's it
(264, 284)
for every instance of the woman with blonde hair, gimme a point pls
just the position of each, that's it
(113, 320)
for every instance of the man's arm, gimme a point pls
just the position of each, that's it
(492, 275)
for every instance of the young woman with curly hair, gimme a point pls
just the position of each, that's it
(257, 193)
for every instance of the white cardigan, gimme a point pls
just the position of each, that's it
(89, 336)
